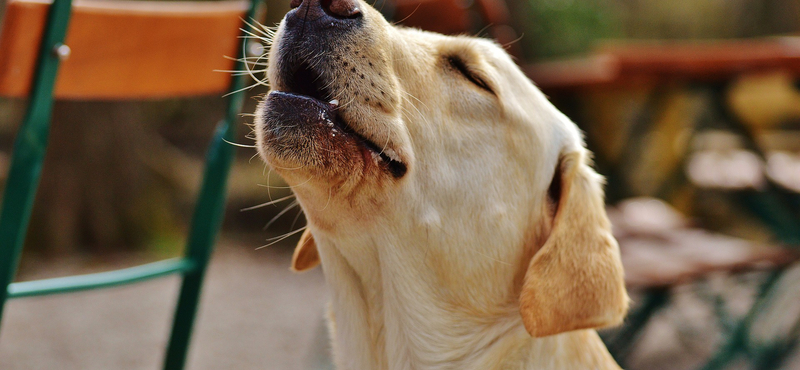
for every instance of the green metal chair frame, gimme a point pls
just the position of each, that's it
(23, 179)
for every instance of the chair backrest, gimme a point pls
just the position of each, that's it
(125, 49)
(119, 50)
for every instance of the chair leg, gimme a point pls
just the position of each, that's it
(207, 219)
(205, 225)
(184, 320)
(29, 149)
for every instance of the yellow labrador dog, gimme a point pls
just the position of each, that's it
(452, 207)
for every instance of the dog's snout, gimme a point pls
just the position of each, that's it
(340, 9)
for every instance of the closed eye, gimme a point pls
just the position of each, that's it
(459, 65)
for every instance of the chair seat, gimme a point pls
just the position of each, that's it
(659, 249)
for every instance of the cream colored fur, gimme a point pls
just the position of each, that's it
(465, 262)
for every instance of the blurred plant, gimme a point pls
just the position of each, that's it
(561, 28)
(554, 28)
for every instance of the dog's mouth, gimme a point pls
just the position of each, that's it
(305, 82)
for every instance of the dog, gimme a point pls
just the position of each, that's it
(453, 209)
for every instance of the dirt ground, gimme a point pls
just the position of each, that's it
(255, 314)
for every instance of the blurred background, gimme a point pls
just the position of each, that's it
(692, 108)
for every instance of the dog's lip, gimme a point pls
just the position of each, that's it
(308, 79)
(334, 121)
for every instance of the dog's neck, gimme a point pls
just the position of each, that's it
(392, 310)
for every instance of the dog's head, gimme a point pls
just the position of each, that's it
(382, 129)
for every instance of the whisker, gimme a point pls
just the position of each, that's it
(237, 144)
(408, 16)
(244, 73)
(330, 194)
(512, 42)
(486, 27)
(283, 237)
(240, 90)
(294, 222)
(269, 173)
(258, 27)
(228, 70)
(250, 35)
(273, 187)
(288, 168)
(267, 33)
(262, 205)
(417, 99)
(246, 59)
(281, 213)
(252, 75)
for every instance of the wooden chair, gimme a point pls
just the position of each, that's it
(113, 50)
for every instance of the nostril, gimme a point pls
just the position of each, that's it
(341, 8)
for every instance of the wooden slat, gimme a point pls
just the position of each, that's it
(574, 73)
(662, 61)
(708, 60)
(126, 49)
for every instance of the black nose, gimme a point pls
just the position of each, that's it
(315, 9)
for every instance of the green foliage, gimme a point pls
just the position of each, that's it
(557, 28)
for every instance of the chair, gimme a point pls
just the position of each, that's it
(49, 50)
(710, 67)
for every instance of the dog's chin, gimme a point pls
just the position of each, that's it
(304, 138)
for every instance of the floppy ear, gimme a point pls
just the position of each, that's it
(575, 281)
(305, 255)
